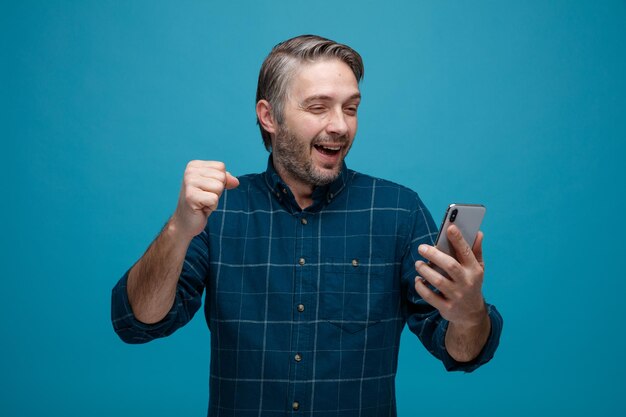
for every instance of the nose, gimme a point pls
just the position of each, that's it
(337, 125)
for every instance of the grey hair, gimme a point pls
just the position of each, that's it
(282, 62)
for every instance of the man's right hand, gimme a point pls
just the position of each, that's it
(152, 280)
(203, 184)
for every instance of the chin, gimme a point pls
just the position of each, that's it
(326, 176)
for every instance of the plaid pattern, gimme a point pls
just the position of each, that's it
(306, 308)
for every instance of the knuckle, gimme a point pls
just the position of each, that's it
(479, 271)
(220, 176)
(190, 171)
(436, 281)
(189, 191)
(426, 295)
(455, 268)
(213, 199)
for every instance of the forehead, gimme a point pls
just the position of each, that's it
(332, 78)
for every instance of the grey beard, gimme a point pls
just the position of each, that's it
(293, 156)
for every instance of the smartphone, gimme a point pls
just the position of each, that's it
(467, 217)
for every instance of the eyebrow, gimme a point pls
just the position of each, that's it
(324, 97)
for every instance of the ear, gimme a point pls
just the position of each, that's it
(264, 114)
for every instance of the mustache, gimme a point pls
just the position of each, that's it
(325, 140)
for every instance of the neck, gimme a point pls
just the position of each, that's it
(301, 191)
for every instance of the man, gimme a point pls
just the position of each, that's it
(309, 268)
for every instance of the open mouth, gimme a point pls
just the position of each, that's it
(328, 150)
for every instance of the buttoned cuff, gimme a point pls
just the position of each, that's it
(126, 325)
(486, 353)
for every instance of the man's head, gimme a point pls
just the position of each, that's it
(308, 97)
(286, 58)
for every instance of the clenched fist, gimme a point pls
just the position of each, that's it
(203, 184)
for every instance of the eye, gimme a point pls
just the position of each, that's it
(351, 110)
(317, 109)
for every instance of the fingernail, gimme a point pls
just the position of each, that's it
(422, 248)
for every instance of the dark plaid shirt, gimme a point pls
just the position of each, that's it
(306, 307)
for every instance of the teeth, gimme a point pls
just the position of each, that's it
(333, 148)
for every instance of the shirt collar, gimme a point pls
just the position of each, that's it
(322, 195)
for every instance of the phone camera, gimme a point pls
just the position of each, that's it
(453, 215)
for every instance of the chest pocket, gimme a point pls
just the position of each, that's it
(358, 292)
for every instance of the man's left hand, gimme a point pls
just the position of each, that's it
(459, 298)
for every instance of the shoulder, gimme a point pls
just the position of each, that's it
(390, 206)
(385, 191)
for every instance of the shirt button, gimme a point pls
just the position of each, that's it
(355, 263)
(295, 405)
(301, 261)
(300, 308)
(284, 191)
(303, 221)
(298, 357)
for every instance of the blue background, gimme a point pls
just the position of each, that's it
(516, 105)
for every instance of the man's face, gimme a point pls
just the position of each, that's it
(319, 123)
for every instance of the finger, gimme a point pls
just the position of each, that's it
(207, 172)
(225, 177)
(478, 248)
(442, 260)
(203, 201)
(208, 169)
(441, 283)
(428, 295)
(207, 164)
(210, 185)
(463, 252)
(231, 181)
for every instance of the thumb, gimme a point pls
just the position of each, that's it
(231, 181)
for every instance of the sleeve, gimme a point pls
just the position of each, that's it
(423, 319)
(188, 298)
